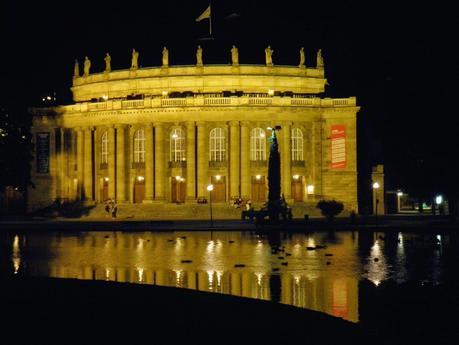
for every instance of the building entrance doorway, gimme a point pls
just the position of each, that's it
(178, 190)
(258, 189)
(139, 190)
(104, 190)
(297, 189)
(219, 192)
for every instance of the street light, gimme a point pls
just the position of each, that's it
(210, 188)
(375, 198)
(399, 195)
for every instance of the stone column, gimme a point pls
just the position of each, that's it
(286, 160)
(245, 161)
(190, 162)
(120, 163)
(203, 160)
(234, 159)
(87, 167)
(160, 177)
(148, 164)
(80, 162)
(111, 163)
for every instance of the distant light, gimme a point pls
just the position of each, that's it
(105, 97)
(271, 92)
(177, 178)
(48, 98)
(399, 193)
(210, 187)
(218, 177)
(438, 199)
(106, 179)
(262, 135)
(140, 178)
(164, 93)
(296, 177)
(174, 136)
(375, 185)
(310, 189)
(258, 177)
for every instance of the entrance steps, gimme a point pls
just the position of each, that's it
(186, 211)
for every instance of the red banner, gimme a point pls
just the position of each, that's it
(338, 146)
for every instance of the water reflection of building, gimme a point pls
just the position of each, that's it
(158, 259)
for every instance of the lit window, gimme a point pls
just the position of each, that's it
(177, 145)
(104, 148)
(139, 146)
(297, 144)
(257, 145)
(217, 145)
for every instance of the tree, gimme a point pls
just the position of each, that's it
(330, 208)
(274, 197)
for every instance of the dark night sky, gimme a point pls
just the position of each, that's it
(397, 57)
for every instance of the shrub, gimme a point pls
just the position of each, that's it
(330, 208)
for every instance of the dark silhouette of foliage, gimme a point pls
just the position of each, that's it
(274, 195)
(330, 208)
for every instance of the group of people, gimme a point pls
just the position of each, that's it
(238, 202)
(111, 208)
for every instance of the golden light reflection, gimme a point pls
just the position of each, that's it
(231, 263)
(16, 257)
(376, 266)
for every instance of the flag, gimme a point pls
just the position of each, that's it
(204, 15)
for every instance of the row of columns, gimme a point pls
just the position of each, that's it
(239, 174)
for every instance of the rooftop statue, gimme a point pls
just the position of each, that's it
(135, 59)
(165, 57)
(320, 59)
(199, 56)
(76, 69)
(108, 67)
(235, 56)
(269, 53)
(302, 58)
(87, 66)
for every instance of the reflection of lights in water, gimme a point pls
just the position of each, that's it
(259, 276)
(140, 271)
(219, 278)
(400, 238)
(311, 242)
(376, 270)
(107, 274)
(178, 278)
(439, 239)
(210, 275)
(297, 280)
(16, 254)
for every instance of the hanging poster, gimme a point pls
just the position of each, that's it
(338, 146)
(42, 150)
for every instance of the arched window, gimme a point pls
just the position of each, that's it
(104, 148)
(257, 145)
(177, 145)
(139, 146)
(217, 145)
(297, 144)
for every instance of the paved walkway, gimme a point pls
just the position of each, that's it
(382, 223)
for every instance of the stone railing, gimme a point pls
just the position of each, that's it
(298, 164)
(200, 101)
(177, 164)
(258, 164)
(217, 164)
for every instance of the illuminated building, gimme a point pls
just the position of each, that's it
(162, 134)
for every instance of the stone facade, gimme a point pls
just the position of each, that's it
(162, 134)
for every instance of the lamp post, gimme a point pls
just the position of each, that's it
(399, 195)
(375, 199)
(210, 188)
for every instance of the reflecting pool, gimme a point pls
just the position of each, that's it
(319, 271)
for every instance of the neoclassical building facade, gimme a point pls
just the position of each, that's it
(163, 134)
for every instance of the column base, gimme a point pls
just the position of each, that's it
(147, 201)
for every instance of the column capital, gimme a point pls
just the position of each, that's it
(158, 124)
(190, 123)
(201, 123)
(233, 123)
(287, 123)
(120, 126)
(245, 123)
